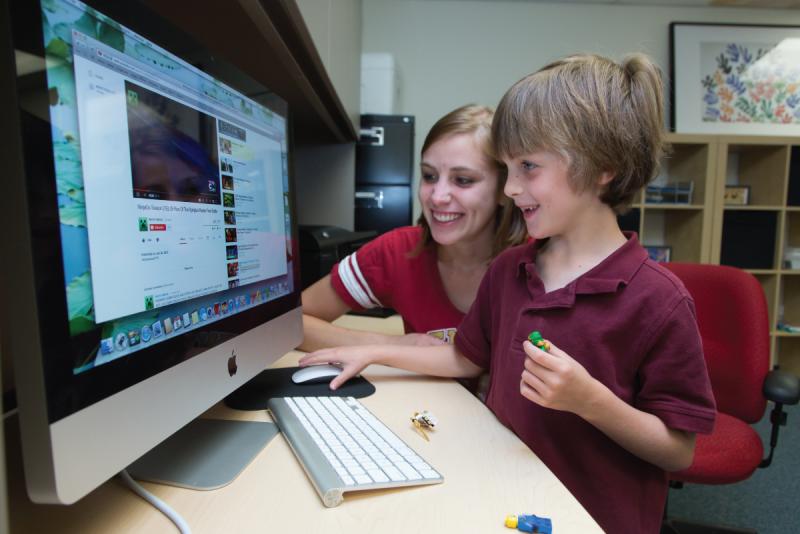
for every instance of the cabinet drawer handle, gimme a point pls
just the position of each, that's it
(366, 196)
(371, 136)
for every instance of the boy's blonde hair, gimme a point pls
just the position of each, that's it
(599, 115)
(477, 120)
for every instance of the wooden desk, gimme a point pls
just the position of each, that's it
(488, 473)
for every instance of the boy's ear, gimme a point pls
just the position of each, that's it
(605, 178)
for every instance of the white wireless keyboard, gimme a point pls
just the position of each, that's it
(343, 447)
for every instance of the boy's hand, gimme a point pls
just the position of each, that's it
(352, 360)
(554, 380)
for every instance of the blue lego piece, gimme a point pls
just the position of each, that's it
(532, 523)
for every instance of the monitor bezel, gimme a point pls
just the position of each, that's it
(67, 392)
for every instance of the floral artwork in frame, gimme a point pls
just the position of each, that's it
(735, 79)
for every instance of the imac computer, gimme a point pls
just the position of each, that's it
(150, 261)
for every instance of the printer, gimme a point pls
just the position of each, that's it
(322, 246)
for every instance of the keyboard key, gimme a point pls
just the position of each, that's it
(378, 476)
(409, 472)
(394, 473)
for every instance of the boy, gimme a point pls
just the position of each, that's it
(616, 401)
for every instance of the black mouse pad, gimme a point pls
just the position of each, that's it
(278, 383)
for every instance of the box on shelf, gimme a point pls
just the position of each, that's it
(791, 258)
(674, 193)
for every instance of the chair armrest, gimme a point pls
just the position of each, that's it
(782, 387)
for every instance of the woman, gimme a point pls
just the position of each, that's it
(428, 273)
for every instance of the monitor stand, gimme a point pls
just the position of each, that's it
(206, 454)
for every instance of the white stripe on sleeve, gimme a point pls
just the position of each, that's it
(351, 284)
(364, 284)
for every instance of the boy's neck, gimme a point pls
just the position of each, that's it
(566, 257)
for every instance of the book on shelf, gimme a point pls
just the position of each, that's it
(672, 193)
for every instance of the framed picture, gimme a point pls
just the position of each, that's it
(737, 195)
(659, 253)
(735, 79)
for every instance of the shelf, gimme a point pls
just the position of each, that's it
(753, 208)
(683, 227)
(653, 205)
(763, 168)
(269, 41)
(749, 238)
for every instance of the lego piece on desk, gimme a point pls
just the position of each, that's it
(536, 338)
(424, 420)
(530, 523)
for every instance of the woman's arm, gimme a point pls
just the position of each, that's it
(442, 360)
(321, 305)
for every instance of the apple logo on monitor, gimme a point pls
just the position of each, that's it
(232, 367)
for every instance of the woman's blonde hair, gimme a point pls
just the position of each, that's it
(477, 120)
(599, 115)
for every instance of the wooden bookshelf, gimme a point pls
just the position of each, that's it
(753, 237)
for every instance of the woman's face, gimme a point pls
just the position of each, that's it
(458, 190)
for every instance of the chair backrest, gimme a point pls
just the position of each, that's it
(734, 326)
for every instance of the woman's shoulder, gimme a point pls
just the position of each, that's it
(406, 234)
(397, 242)
(402, 239)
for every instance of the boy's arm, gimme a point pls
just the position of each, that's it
(555, 380)
(640, 433)
(321, 305)
(442, 360)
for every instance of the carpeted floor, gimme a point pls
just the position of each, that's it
(769, 501)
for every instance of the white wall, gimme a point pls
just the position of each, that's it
(325, 184)
(452, 52)
(325, 175)
(335, 27)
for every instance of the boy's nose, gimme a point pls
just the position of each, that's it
(512, 187)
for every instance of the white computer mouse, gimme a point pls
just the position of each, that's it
(316, 374)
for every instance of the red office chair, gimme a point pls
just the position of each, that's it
(734, 327)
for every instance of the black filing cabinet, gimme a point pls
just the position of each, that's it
(384, 172)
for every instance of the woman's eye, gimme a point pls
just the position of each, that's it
(428, 177)
(463, 181)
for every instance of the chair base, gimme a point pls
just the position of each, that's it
(677, 526)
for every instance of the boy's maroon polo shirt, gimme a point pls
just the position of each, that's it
(632, 325)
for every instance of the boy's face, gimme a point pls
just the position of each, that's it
(538, 183)
(458, 190)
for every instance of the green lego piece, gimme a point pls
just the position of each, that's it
(536, 338)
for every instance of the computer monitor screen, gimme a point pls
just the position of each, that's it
(156, 259)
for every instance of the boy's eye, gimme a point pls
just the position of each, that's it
(528, 165)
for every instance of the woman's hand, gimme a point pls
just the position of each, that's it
(555, 380)
(352, 360)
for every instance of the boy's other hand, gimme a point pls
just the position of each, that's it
(352, 360)
(555, 380)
